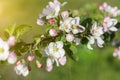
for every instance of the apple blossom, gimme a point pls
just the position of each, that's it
(21, 69)
(4, 50)
(76, 27)
(66, 25)
(54, 51)
(109, 24)
(96, 32)
(112, 11)
(52, 9)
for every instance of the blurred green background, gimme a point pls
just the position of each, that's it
(99, 65)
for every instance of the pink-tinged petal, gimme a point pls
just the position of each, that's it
(12, 58)
(49, 68)
(11, 41)
(62, 60)
(65, 14)
(105, 28)
(40, 22)
(53, 32)
(69, 37)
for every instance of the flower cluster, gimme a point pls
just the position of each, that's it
(65, 31)
(112, 11)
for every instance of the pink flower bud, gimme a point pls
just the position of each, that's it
(51, 21)
(62, 60)
(69, 37)
(11, 41)
(39, 65)
(53, 32)
(101, 7)
(49, 68)
(12, 58)
(65, 14)
(30, 58)
(105, 4)
(19, 62)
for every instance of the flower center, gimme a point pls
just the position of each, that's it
(65, 27)
(1, 50)
(52, 13)
(95, 31)
(74, 26)
(55, 49)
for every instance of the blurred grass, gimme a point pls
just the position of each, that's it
(100, 67)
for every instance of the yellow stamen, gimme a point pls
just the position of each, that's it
(1, 50)
(55, 49)
(74, 26)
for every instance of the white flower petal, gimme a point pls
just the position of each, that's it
(62, 60)
(89, 46)
(100, 42)
(25, 71)
(49, 62)
(113, 29)
(91, 41)
(75, 31)
(59, 44)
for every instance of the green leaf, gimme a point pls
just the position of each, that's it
(80, 53)
(63, 38)
(85, 54)
(9, 31)
(37, 41)
(74, 50)
(38, 54)
(20, 30)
